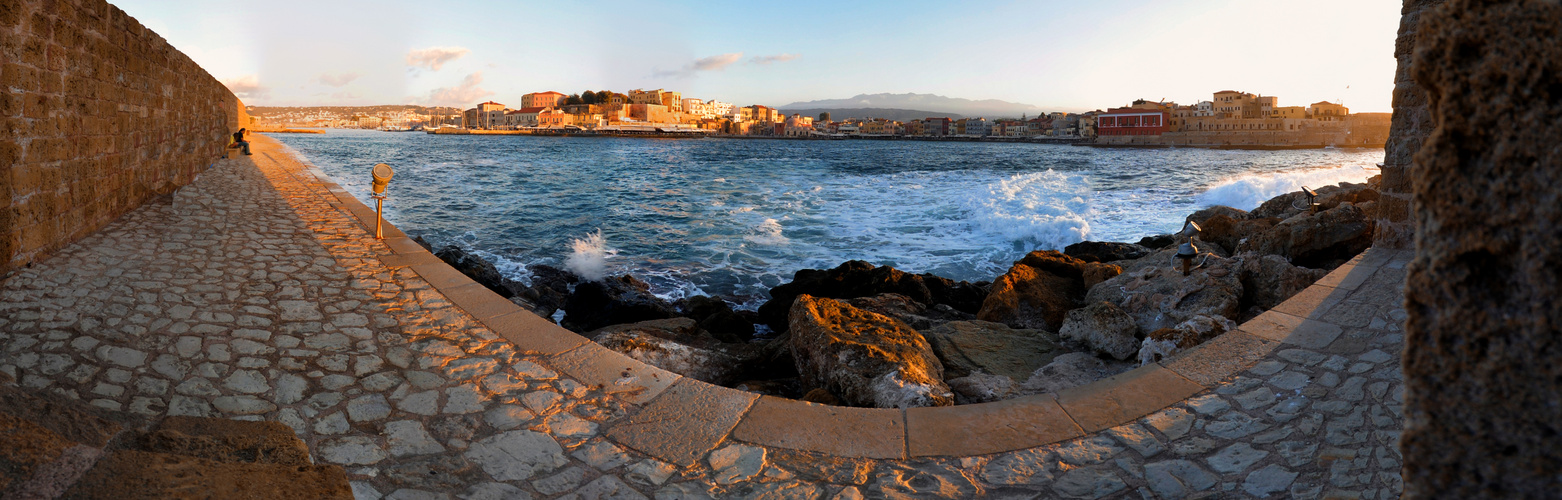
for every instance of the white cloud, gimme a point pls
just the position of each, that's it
(339, 79)
(434, 58)
(772, 59)
(247, 87)
(711, 63)
(465, 94)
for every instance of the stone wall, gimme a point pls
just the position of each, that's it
(1483, 356)
(100, 115)
(1412, 122)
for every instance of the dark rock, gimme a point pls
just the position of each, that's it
(679, 345)
(1158, 241)
(1105, 251)
(822, 396)
(613, 301)
(1290, 204)
(967, 347)
(549, 290)
(225, 440)
(1104, 328)
(849, 280)
(1268, 280)
(717, 317)
(141, 474)
(1322, 240)
(1484, 333)
(1040, 288)
(963, 296)
(477, 268)
(423, 243)
(864, 358)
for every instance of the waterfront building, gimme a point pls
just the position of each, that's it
(1328, 111)
(978, 127)
(1132, 121)
(1289, 112)
(549, 99)
(554, 118)
(937, 126)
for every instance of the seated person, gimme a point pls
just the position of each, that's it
(239, 142)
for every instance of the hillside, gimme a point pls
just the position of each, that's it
(900, 115)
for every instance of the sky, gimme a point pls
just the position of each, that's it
(1063, 56)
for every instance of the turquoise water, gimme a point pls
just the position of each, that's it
(733, 218)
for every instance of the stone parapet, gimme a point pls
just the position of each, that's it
(98, 115)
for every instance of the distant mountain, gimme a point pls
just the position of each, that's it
(899, 115)
(988, 108)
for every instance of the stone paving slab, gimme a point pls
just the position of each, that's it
(258, 293)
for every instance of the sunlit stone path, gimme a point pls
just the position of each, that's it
(254, 294)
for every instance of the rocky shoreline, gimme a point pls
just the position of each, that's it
(875, 336)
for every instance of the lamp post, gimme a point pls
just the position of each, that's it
(382, 176)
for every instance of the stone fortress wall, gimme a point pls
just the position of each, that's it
(1411, 124)
(100, 115)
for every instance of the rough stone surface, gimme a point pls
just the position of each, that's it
(966, 347)
(864, 358)
(1040, 289)
(1104, 328)
(1481, 377)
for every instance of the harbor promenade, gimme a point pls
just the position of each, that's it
(258, 292)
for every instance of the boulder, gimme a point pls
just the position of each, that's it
(613, 301)
(1040, 288)
(1162, 343)
(1157, 242)
(1268, 280)
(967, 347)
(1322, 240)
(479, 269)
(1290, 204)
(864, 358)
(979, 387)
(963, 296)
(717, 317)
(1158, 296)
(679, 345)
(860, 279)
(549, 290)
(1229, 232)
(1104, 328)
(1105, 251)
(908, 311)
(1205, 214)
(1069, 370)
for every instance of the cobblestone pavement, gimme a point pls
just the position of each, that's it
(248, 295)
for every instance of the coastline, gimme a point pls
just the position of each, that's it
(1027, 140)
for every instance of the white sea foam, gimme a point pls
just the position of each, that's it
(768, 233)
(1251, 190)
(589, 256)
(1049, 209)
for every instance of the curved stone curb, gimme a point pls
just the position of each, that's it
(683, 418)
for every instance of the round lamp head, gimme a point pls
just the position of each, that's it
(382, 176)
(1190, 229)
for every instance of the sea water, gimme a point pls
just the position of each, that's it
(732, 217)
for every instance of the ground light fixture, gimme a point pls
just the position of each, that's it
(1186, 251)
(1312, 199)
(382, 176)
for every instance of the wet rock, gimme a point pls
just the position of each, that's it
(1104, 328)
(962, 296)
(1041, 288)
(1105, 251)
(1204, 215)
(680, 346)
(1321, 240)
(613, 301)
(549, 290)
(1268, 280)
(717, 317)
(477, 268)
(866, 359)
(1157, 296)
(856, 278)
(849, 280)
(966, 347)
